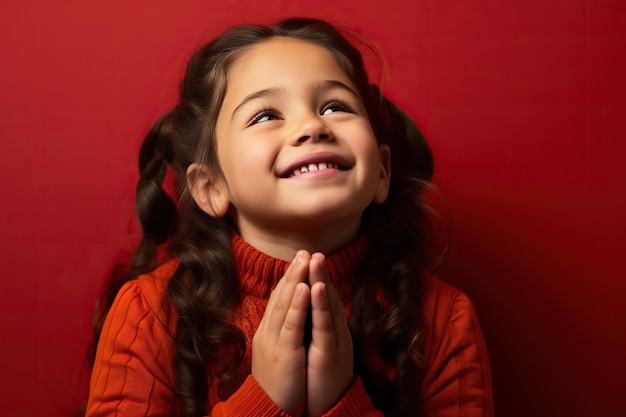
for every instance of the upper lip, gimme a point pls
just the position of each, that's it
(316, 158)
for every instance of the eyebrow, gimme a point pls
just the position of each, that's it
(324, 85)
(256, 95)
(331, 84)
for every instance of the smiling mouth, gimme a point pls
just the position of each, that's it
(317, 161)
(314, 167)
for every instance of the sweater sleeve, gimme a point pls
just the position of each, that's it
(133, 371)
(458, 377)
(354, 403)
(132, 374)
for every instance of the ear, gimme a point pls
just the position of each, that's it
(385, 174)
(208, 189)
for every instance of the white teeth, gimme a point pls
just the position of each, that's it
(315, 167)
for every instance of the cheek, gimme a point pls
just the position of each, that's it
(371, 155)
(255, 156)
(246, 161)
(367, 145)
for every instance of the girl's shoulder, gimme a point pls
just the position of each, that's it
(153, 285)
(436, 290)
(146, 296)
(445, 306)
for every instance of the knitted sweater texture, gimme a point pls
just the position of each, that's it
(133, 373)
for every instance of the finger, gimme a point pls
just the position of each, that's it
(271, 302)
(328, 310)
(292, 331)
(323, 329)
(264, 323)
(318, 272)
(323, 332)
(288, 277)
(296, 274)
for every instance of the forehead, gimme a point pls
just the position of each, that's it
(279, 62)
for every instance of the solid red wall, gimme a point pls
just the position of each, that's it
(524, 104)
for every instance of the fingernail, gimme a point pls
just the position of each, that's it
(298, 290)
(297, 259)
(322, 261)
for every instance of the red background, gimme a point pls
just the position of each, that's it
(523, 102)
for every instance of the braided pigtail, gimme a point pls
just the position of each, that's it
(157, 216)
(156, 211)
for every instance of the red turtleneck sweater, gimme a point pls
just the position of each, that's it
(133, 373)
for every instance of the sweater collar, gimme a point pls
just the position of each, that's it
(259, 273)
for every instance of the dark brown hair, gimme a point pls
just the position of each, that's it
(205, 288)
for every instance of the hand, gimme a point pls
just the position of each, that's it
(330, 363)
(278, 352)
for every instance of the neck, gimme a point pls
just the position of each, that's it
(283, 242)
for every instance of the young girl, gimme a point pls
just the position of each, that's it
(287, 273)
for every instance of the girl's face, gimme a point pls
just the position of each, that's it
(295, 143)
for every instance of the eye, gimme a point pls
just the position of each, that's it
(265, 115)
(336, 106)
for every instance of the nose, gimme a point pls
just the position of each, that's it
(312, 129)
